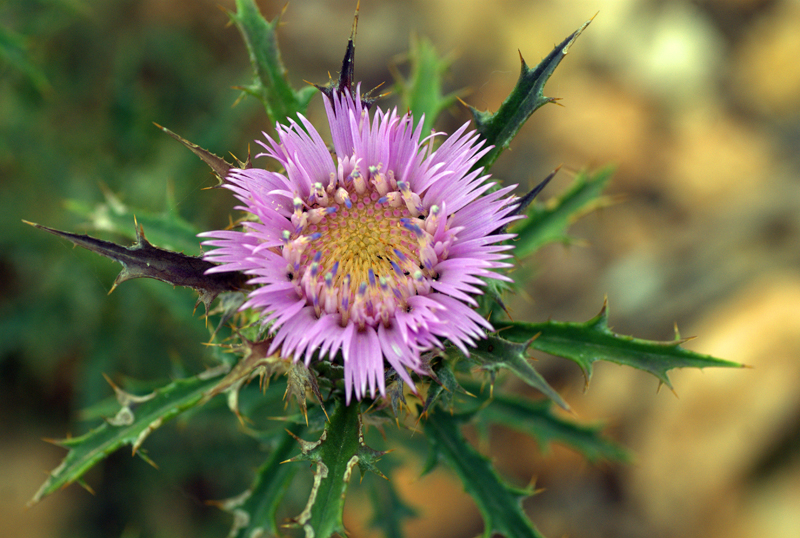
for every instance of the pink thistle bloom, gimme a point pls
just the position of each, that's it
(377, 252)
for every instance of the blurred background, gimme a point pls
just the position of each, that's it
(698, 105)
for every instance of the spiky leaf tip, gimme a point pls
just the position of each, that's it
(593, 340)
(499, 128)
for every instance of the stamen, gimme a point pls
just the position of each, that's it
(330, 294)
(412, 199)
(319, 195)
(343, 197)
(299, 217)
(427, 254)
(421, 283)
(315, 304)
(397, 269)
(400, 255)
(392, 198)
(346, 295)
(432, 220)
(379, 180)
(309, 283)
(359, 181)
(361, 306)
(388, 308)
(315, 216)
(314, 269)
(409, 224)
(381, 185)
(293, 250)
(398, 294)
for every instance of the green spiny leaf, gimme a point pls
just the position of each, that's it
(254, 512)
(500, 128)
(493, 353)
(593, 340)
(168, 229)
(340, 448)
(445, 387)
(143, 260)
(271, 86)
(547, 223)
(538, 419)
(136, 420)
(499, 503)
(218, 165)
(255, 361)
(422, 92)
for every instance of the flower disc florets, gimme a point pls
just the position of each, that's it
(376, 254)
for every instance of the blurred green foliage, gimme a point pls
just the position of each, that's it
(80, 84)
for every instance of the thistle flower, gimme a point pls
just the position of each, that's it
(377, 251)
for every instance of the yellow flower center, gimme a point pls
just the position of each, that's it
(361, 238)
(362, 246)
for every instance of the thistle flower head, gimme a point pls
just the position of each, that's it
(376, 251)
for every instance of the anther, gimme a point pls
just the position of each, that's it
(380, 183)
(397, 268)
(293, 250)
(319, 194)
(330, 294)
(432, 220)
(343, 197)
(316, 215)
(408, 224)
(412, 199)
(359, 181)
(393, 199)
(421, 285)
(299, 217)
(427, 255)
(345, 296)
